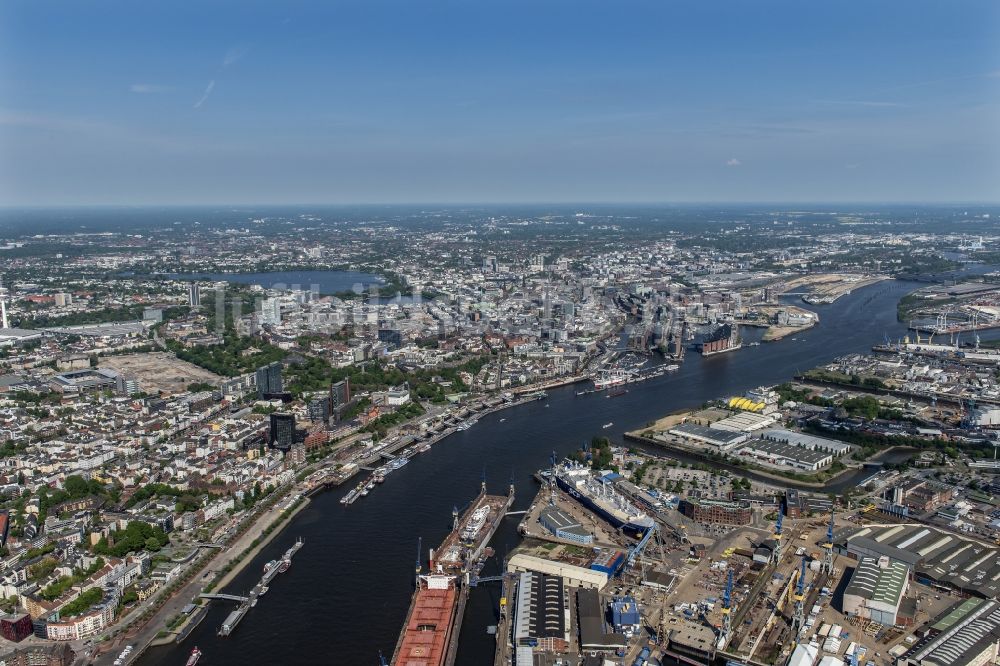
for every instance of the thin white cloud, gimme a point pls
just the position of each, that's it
(148, 88)
(733, 162)
(860, 102)
(204, 95)
(233, 55)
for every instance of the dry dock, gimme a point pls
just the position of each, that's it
(434, 620)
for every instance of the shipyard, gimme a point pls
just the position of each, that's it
(433, 623)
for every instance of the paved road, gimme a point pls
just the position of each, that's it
(185, 595)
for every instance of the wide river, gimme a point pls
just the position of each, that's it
(346, 595)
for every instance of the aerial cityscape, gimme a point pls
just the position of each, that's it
(499, 334)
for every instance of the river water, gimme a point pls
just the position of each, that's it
(346, 595)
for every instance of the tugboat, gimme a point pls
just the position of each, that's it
(195, 656)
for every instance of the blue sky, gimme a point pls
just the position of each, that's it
(480, 101)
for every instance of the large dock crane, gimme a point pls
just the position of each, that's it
(799, 613)
(727, 611)
(776, 554)
(552, 481)
(828, 548)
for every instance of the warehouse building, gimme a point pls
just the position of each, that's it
(689, 641)
(572, 575)
(724, 440)
(831, 446)
(938, 558)
(876, 590)
(745, 422)
(786, 455)
(540, 614)
(967, 634)
(593, 631)
(564, 526)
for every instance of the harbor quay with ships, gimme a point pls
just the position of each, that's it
(434, 620)
(396, 451)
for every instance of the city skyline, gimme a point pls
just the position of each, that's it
(109, 104)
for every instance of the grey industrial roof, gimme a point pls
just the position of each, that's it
(975, 628)
(800, 438)
(591, 620)
(708, 432)
(872, 582)
(937, 554)
(789, 451)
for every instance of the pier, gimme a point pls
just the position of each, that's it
(271, 570)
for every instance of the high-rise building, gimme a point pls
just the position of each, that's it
(194, 295)
(391, 336)
(319, 408)
(63, 299)
(282, 433)
(270, 311)
(340, 396)
(269, 380)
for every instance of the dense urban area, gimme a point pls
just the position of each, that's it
(176, 386)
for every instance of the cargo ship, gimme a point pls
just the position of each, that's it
(195, 656)
(434, 620)
(601, 497)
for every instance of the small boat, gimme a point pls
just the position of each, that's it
(284, 566)
(608, 425)
(195, 656)
(502, 420)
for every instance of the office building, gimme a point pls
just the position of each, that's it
(282, 433)
(391, 337)
(194, 295)
(340, 396)
(319, 408)
(16, 628)
(269, 380)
